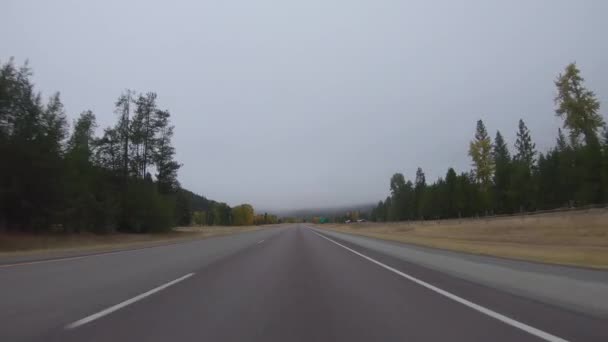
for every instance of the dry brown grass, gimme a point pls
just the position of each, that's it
(16, 244)
(573, 238)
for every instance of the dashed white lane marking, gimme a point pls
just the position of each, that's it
(119, 306)
(259, 242)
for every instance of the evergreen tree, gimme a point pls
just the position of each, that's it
(524, 147)
(55, 125)
(123, 128)
(32, 137)
(397, 211)
(83, 182)
(183, 209)
(82, 141)
(143, 132)
(451, 184)
(419, 189)
(548, 180)
(83, 210)
(575, 172)
(480, 151)
(164, 154)
(109, 152)
(468, 195)
(502, 174)
(378, 213)
(591, 173)
(388, 204)
(523, 186)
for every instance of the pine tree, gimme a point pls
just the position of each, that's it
(164, 154)
(55, 125)
(549, 184)
(523, 186)
(109, 150)
(451, 184)
(123, 128)
(502, 175)
(398, 186)
(500, 150)
(144, 131)
(419, 190)
(81, 197)
(397, 183)
(83, 183)
(388, 204)
(420, 179)
(525, 148)
(82, 140)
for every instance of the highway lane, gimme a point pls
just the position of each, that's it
(579, 289)
(277, 285)
(41, 297)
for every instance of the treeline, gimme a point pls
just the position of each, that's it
(348, 216)
(572, 173)
(221, 214)
(52, 178)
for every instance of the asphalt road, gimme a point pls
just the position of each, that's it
(278, 284)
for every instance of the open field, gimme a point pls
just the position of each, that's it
(18, 244)
(577, 238)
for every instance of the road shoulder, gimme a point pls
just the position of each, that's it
(573, 288)
(58, 253)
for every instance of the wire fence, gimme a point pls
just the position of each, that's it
(595, 208)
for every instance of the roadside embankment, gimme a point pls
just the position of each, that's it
(577, 238)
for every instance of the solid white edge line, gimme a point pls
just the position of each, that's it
(94, 254)
(67, 258)
(125, 303)
(531, 330)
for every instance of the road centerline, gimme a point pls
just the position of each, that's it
(127, 302)
(522, 326)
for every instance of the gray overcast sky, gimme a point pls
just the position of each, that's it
(287, 104)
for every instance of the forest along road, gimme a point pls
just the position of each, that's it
(291, 283)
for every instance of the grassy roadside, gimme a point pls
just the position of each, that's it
(572, 238)
(14, 244)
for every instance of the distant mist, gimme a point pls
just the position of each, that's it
(328, 212)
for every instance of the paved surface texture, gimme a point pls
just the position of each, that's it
(584, 290)
(278, 284)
